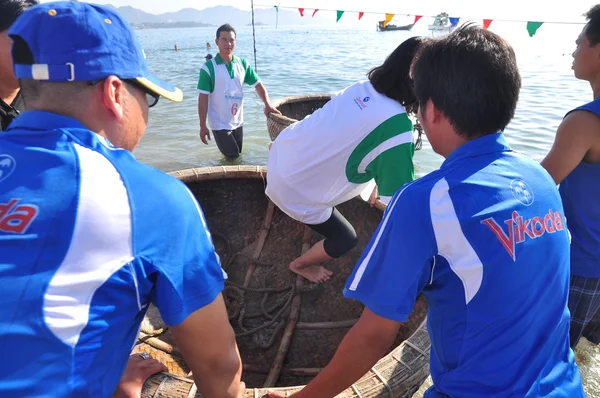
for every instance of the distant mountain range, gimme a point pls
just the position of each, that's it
(216, 16)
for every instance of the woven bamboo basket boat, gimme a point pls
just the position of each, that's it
(287, 329)
(293, 109)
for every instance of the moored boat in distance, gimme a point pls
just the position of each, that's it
(392, 26)
(441, 22)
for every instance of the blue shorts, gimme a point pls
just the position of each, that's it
(584, 305)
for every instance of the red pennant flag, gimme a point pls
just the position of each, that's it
(417, 17)
(487, 23)
(301, 11)
(315, 11)
(360, 15)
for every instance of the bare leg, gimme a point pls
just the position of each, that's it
(137, 371)
(307, 264)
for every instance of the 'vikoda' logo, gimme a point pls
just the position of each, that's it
(16, 219)
(518, 228)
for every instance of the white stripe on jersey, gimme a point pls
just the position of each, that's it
(452, 244)
(101, 244)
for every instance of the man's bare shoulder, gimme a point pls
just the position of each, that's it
(583, 127)
(581, 122)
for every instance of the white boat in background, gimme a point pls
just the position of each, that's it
(441, 22)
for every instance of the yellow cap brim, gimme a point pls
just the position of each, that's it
(175, 95)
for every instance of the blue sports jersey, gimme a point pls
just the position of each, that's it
(88, 238)
(484, 238)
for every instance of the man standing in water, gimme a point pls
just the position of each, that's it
(574, 163)
(221, 95)
(483, 238)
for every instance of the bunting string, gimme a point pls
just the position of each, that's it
(532, 26)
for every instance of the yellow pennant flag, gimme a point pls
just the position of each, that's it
(388, 18)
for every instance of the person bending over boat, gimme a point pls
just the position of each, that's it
(363, 135)
(89, 236)
(574, 163)
(484, 238)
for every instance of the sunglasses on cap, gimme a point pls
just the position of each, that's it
(151, 97)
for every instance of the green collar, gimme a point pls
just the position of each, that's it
(220, 61)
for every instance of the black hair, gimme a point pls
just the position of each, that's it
(471, 76)
(393, 80)
(225, 28)
(592, 28)
(10, 10)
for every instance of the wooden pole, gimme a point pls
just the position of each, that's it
(327, 325)
(261, 242)
(288, 371)
(286, 340)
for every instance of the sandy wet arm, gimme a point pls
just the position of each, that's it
(202, 112)
(208, 345)
(264, 96)
(360, 349)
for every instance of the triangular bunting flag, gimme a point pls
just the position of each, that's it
(360, 15)
(417, 17)
(315, 11)
(388, 18)
(301, 11)
(339, 15)
(454, 21)
(487, 23)
(532, 27)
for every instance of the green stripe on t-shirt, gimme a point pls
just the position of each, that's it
(391, 168)
(250, 77)
(394, 168)
(206, 81)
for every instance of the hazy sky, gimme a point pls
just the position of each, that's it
(553, 10)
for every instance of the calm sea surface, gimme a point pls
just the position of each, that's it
(309, 60)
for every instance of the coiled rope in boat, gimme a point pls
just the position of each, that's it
(272, 308)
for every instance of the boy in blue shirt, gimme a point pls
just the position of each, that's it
(574, 163)
(484, 238)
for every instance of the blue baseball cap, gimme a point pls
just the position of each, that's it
(72, 41)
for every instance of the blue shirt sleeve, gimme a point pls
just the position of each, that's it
(187, 268)
(397, 262)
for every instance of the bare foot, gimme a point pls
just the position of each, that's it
(314, 273)
(137, 371)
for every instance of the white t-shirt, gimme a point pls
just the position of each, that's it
(332, 155)
(224, 84)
